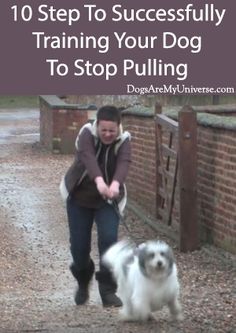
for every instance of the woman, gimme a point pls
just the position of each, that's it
(95, 192)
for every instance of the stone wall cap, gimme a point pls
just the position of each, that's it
(212, 116)
(54, 102)
(139, 110)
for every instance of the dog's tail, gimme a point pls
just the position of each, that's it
(118, 256)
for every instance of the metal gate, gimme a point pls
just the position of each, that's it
(177, 174)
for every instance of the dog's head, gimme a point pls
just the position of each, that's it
(156, 259)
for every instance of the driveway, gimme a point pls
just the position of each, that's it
(36, 287)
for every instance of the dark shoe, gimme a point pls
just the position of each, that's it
(109, 300)
(83, 278)
(107, 289)
(81, 295)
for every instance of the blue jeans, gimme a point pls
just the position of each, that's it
(81, 221)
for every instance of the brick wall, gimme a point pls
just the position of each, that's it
(217, 185)
(216, 182)
(46, 125)
(60, 123)
(141, 182)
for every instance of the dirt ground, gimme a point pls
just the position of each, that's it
(36, 287)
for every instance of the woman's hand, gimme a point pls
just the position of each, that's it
(114, 189)
(102, 187)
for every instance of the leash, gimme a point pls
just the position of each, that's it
(122, 220)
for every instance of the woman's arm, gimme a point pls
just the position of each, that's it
(123, 162)
(87, 154)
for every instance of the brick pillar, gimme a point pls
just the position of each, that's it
(60, 123)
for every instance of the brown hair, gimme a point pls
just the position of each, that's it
(110, 113)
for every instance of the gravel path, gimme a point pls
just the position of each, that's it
(36, 286)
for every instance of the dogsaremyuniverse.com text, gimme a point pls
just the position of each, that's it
(176, 89)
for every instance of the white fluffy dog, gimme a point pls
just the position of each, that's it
(146, 277)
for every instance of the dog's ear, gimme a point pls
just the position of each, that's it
(142, 256)
(139, 248)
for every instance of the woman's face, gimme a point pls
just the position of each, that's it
(107, 131)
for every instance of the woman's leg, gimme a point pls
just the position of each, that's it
(80, 227)
(107, 221)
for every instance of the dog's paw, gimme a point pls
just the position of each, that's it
(125, 315)
(128, 316)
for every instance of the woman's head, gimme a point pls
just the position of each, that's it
(108, 122)
(110, 113)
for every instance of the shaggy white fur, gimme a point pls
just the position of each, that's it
(146, 277)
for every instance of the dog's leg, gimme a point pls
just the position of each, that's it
(175, 309)
(126, 312)
(141, 309)
(134, 310)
